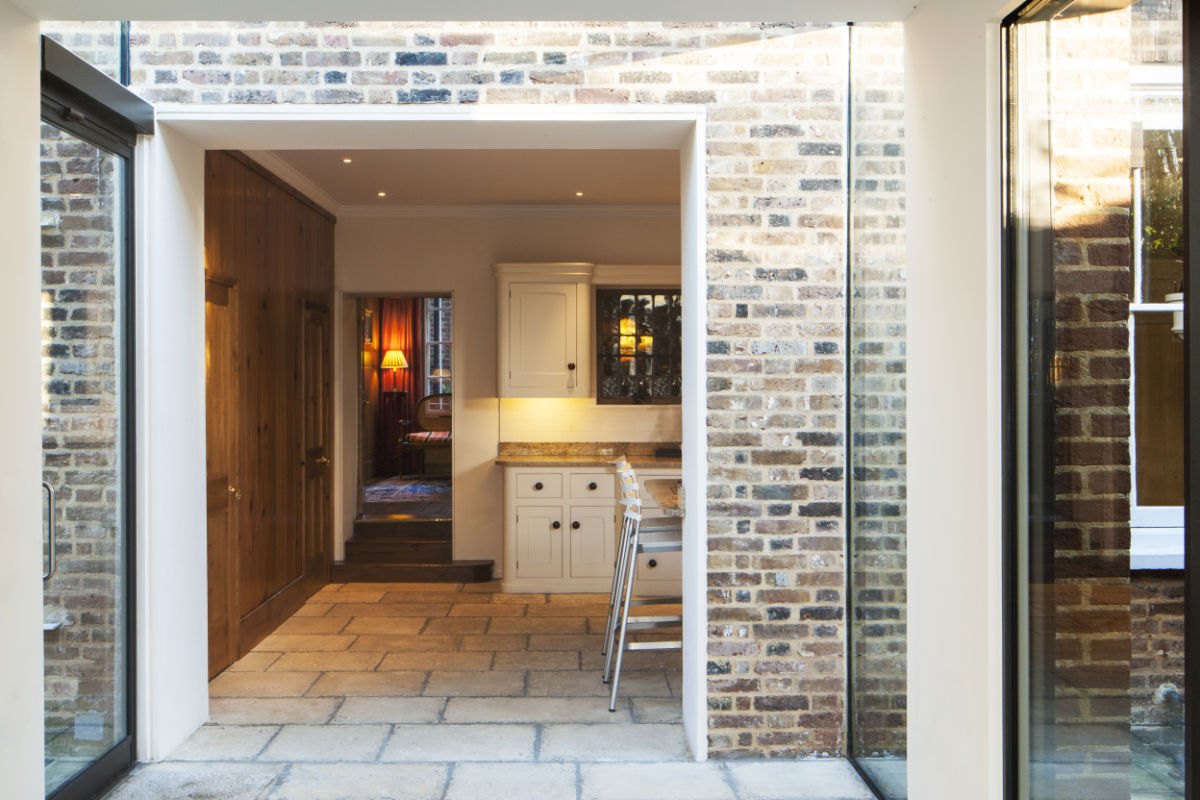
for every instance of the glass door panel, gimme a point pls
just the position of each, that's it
(84, 458)
(1098, 418)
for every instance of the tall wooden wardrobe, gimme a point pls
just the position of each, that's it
(269, 289)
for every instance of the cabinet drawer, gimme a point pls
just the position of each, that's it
(668, 567)
(539, 484)
(593, 484)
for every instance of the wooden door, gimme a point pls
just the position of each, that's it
(315, 437)
(221, 392)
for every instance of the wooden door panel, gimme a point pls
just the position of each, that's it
(316, 430)
(221, 398)
(278, 247)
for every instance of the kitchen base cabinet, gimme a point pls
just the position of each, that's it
(561, 531)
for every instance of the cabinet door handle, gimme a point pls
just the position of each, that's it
(652, 563)
(592, 486)
(537, 487)
(556, 525)
(571, 365)
(575, 525)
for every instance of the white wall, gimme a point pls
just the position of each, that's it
(172, 624)
(21, 723)
(954, 442)
(455, 255)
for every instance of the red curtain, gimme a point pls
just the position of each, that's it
(400, 329)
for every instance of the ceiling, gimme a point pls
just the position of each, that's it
(490, 177)
(419, 10)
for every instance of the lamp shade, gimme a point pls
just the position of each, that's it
(394, 359)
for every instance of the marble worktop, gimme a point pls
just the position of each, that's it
(584, 454)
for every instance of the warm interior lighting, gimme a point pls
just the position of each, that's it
(347, 160)
(579, 194)
(628, 326)
(628, 345)
(383, 194)
(394, 359)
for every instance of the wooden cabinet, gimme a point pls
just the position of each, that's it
(544, 337)
(561, 530)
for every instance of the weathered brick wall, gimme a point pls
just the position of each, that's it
(877, 454)
(80, 407)
(97, 43)
(1157, 686)
(1091, 102)
(775, 97)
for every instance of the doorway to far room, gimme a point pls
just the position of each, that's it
(406, 425)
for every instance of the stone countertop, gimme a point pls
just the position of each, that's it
(576, 460)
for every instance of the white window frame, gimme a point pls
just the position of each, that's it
(431, 384)
(1156, 532)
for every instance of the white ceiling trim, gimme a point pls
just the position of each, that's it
(294, 178)
(610, 212)
(475, 10)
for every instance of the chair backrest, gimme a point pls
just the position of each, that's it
(630, 494)
(434, 412)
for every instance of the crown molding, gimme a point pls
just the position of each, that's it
(481, 211)
(294, 178)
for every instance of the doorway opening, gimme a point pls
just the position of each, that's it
(406, 424)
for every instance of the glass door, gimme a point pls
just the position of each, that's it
(1097, 410)
(87, 452)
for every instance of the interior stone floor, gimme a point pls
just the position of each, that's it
(448, 692)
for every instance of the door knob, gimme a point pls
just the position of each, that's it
(537, 487)
(234, 493)
(592, 486)
(556, 525)
(323, 460)
(575, 525)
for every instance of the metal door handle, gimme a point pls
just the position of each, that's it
(575, 525)
(52, 531)
(323, 460)
(234, 493)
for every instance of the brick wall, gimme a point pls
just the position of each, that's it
(80, 406)
(1091, 101)
(775, 96)
(1157, 678)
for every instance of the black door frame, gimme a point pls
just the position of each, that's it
(83, 102)
(1010, 364)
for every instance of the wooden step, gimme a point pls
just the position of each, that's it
(397, 551)
(452, 572)
(401, 528)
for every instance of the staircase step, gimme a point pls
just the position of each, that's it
(401, 528)
(452, 572)
(422, 551)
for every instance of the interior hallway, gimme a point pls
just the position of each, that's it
(451, 691)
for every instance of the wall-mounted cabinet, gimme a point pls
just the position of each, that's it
(545, 322)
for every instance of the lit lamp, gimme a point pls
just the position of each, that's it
(394, 360)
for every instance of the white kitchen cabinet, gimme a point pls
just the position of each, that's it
(561, 532)
(593, 541)
(544, 337)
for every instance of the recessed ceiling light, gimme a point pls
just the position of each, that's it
(383, 194)
(579, 194)
(347, 160)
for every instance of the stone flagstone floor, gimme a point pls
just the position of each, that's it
(451, 692)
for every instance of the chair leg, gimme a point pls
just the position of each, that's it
(631, 563)
(623, 559)
(615, 595)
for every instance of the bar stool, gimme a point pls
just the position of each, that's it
(638, 535)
